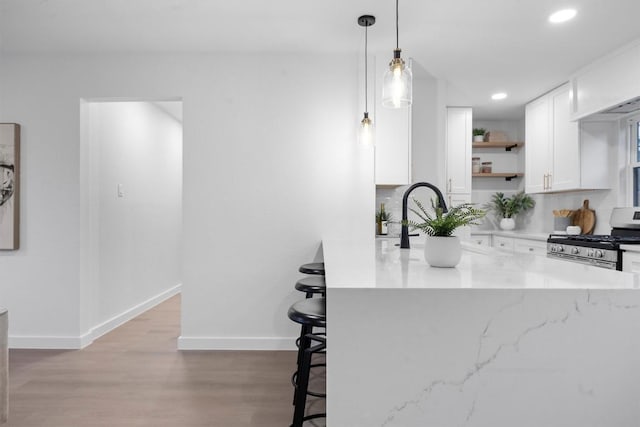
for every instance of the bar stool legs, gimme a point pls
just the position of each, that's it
(302, 383)
(310, 314)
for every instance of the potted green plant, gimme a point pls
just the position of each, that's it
(382, 220)
(505, 208)
(478, 134)
(442, 248)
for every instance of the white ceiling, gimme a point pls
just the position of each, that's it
(480, 46)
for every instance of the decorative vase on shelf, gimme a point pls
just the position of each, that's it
(507, 224)
(442, 251)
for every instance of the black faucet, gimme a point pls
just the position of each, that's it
(404, 236)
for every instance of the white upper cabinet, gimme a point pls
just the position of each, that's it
(537, 147)
(393, 135)
(607, 83)
(559, 155)
(565, 141)
(458, 150)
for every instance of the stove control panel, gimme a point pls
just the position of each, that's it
(607, 258)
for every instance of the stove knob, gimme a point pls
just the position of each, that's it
(599, 254)
(575, 251)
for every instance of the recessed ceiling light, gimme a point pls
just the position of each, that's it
(498, 96)
(562, 15)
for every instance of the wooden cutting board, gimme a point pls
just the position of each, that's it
(585, 218)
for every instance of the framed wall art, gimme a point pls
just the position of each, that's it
(9, 186)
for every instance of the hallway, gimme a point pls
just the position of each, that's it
(134, 376)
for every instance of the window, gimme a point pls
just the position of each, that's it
(634, 139)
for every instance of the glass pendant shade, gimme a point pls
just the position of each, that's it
(397, 85)
(367, 132)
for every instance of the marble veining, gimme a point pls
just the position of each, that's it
(485, 359)
(498, 342)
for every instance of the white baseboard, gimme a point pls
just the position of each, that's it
(74, 343)
(48, 343)
(109, 325)
(233, 343)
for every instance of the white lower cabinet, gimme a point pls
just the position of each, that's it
(520, 245)
(631, 262)
(503, 243)
(530, 246)
(481, 240)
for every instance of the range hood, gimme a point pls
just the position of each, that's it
(625, 107)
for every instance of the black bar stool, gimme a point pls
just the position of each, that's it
(309, 313)
(311, 285)
(315, 268)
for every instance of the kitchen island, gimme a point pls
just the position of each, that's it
(502, 340)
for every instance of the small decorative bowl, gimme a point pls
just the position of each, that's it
(573, 230)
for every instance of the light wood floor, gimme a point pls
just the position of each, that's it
(134, 376)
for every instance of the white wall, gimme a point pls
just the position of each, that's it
(270, 167)
(139, 241)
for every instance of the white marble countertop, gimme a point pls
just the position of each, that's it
(379, 264)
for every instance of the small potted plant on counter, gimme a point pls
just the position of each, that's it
(478, 134)
(505, 208)
(383, 218)
(442, 248)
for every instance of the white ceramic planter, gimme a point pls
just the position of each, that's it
(507, 224)
(442, 251)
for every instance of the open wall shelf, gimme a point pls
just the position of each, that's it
(507, 145)
(508, 176)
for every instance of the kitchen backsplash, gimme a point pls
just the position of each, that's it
(540, 218)
(537, 220)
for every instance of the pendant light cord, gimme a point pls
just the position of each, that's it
(397, 32)
(366, 70)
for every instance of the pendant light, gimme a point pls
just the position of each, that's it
(366, 134)
(396, 89)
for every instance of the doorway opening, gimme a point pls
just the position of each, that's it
(131, 209)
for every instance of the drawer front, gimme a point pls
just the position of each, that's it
(631, 262)
(484, 240)
(531, 247)
(503, 243)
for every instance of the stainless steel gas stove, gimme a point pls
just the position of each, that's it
(599, 250)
